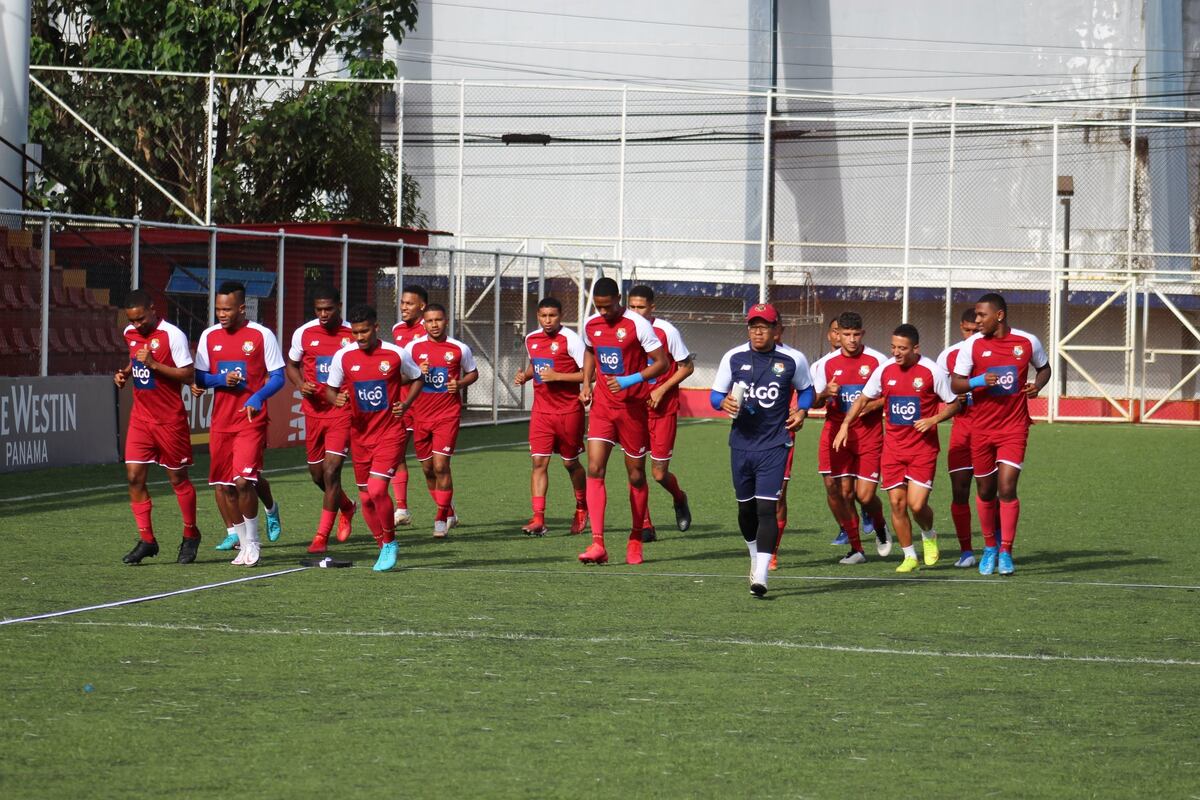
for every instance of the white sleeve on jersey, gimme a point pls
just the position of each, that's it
(202, 351)
(966, 359)
(296, 352)
(874, 388)
(941, 380)
(803, 377)
(817, 372)
(408, 367)
(1037, 359)
(180, 353)
(272, 355)
(336, 373)
(675, 345)
(647, 338)
(575, 346)
(466, 361)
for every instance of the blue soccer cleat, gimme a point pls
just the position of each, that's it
(868, 527)
(229, 542)
(1006, 563)
(387, 557)
(967, 559)
(841, 540)
(987, 564)
(274, 529)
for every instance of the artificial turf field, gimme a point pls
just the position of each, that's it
(491, 664)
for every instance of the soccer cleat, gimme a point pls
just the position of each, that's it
(868, 527)
(987, 564)
(854, 557)
(274, 529)
(1006, 563)
(908, 565)
(841, 540)
(579, 524)
(188, 548)
(387, 557)
(595, 554)
(251, 553)
(240, 559)
(683, 515)
(452, 521)
(967, 559)
(319, 543)
(402, 517)
(439, 529)
(758, 589)
(649, 534)
(774, 565)
(535, 527)
(883, 543)
(633, 552)
(930, 548)
(344, 523)
(141, 550)
(230, 542)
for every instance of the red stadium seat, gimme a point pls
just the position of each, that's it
(75, 297)
(21, 344)
(72, 343)
(9, 296)
(26, 296)
(89, 344)
(56, 342)
(6, 349)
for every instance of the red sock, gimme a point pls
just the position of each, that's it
(185, 495)
(326, 523)
(672, 485)
(400, 487)
(345, 504)
(778, 538)
(382, 503)
(367, 509)
(986, 509)
(141, 515)
(639, 506)
(646, 523)
(581, 498)
(1010, 512)
(961, 514)
(539, 508)
(442, 498)
(597, 499)
(850, 526)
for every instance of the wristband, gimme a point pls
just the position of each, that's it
(625, 381)
(978, 382)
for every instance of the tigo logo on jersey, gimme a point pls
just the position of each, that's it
(143, 378)
(370, 396)
(1007, 383)
(612, 362)
(903, 410)
(435, 380)
(225, 367)
(766, 396)
(322, 365)
(848, 394)
(540, 365)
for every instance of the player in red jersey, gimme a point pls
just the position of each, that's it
(619, 344)
(663, 403)
(240, 360)
(911, 387)
(838, 379)
(160, 363)
(411, 326)
(326, 427)
(556, 425)
(448, 367)
(781, 507)
(958, 455)
(997, 359)
(368, 380)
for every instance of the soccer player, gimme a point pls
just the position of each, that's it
(411, 326)
(448, 367)
(241, 361)
(620, 345)
(764, 374)
(958, 455)
(326, 426)
(781, 506)
(368, 378)
(838, 379)
(997, 359)
(910, 387)
(159, 363)
(556, 426)
(663, 403)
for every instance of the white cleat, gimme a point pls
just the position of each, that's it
(250, 553)
(965, 560)
(402, 517)
(854, 557)
(240, 560)
(883, 543)
(439, 529)
(452, 521)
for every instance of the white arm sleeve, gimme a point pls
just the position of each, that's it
(272, 355)
(466, 361)
(647, 338)
(966, 360)
(818, 375)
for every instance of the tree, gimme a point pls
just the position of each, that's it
(283, 149)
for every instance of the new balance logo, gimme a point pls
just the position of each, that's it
(745, 367)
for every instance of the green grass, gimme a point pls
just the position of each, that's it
(494, 665)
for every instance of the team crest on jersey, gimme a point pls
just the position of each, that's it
(777, 368)
(154, 345)
(449, 358)
(247, 347)
(1018, 351)
(864, 370)
(345, 341)
(620, 334)
(553, 347)
(918, 383)
(384, 366)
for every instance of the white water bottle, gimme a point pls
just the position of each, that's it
(737, 393)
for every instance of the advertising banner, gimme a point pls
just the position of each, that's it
(57, 422)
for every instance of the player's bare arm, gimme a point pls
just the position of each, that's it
(948, 411)
(523, 375)
(401, 407)
(181, 374)
(550, 376)
(1040, 379)
(656, 367)
(121, 377)
(463, 382)
(296, 377)
(962, 385)
(683, 370)
(873, 406)
(843, 433)
(796, 417)
(589, 374)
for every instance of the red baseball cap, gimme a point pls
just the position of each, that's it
(763, 311)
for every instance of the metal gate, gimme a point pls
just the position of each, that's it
(1158, 365)
(1108, 328)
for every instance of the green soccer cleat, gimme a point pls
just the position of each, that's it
(274, 529)
(908, 565)
(931, 553)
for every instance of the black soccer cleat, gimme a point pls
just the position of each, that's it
(188, 548)
(141, 550)
(683, 515)
(649, 535)
(758, 590)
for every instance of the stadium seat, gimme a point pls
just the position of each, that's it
(26, 296)
(21, 344)
(75, 297)
(6, 349)
(9, 296)
(59, 296)
(118, 339)
(71, 341)
(89, 344)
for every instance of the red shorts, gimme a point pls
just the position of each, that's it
(990, 447)
(236, 454)
(434, 436)
(858, 459)
(627, 427)
(169, 445)
(379, 460)
(915, 466)
(326, 435)
(662, 429)
(958, 457)
(556, 433)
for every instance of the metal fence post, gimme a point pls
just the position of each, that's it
(345, 275)
(1132, 184)
(280, 271)
(764, 228)
(496, 339)
(451, 295)
(950, 318)
(399, 277)
(462, 135)
(44, 366)
(907, 221)
(135, 255)
(621, 176)
(399, 90)
(541, 277)
(212, 275)
(1055, 295)
(209, 156)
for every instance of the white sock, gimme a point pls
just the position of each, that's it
(929, 534)
(273, 509)
(910, 551)
(762, 565)
(240, 529)
(252, 530)
(232, 531)
(752, 546)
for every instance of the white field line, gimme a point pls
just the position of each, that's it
(149, 597)
(468, 635)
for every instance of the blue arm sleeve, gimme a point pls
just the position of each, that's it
(625, 381)
(804, 398)
(978, 382)
(274, 384)
(715, 399)
(206, 380)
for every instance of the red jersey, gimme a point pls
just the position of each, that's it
(1003, 406)
(374, 380)
(851, 374)
(946, 360)
(156, 398)
(673, 346)
(620, 348)
(909, 394)
(403, 334)
(251, 349)
(448, 360)
(562, 352)
(313, 348)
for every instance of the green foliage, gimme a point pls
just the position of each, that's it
(283, 150)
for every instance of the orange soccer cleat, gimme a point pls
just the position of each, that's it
(633, 550)
(343, 523)
(579, 524)
(595, 554)
(318, 543)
